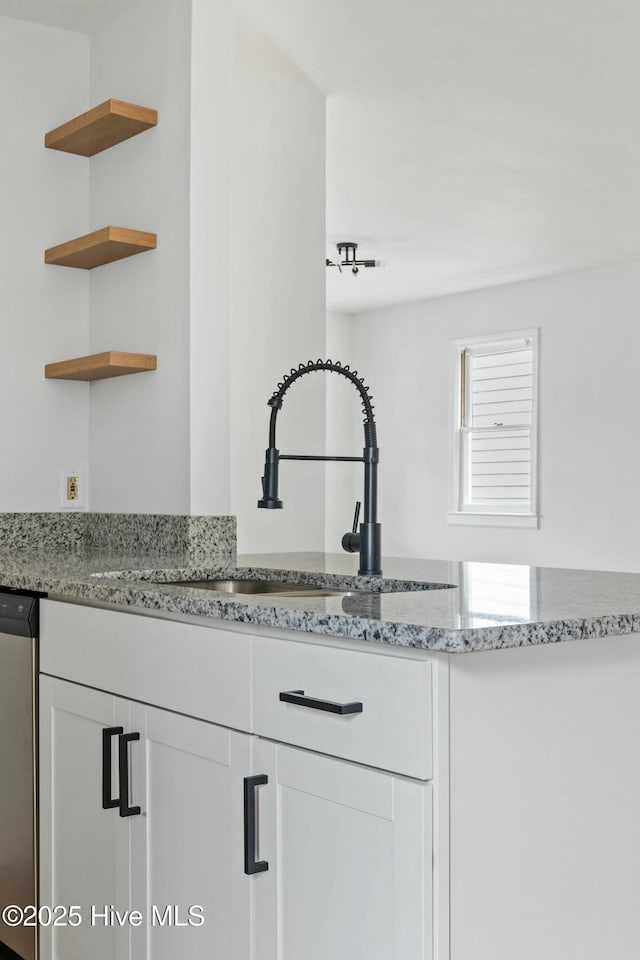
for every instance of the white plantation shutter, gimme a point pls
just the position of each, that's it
(497, 431)
(499, 470)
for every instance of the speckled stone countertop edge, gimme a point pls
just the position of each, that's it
(177, 600)
(566, 604)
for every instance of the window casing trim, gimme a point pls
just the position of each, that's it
(476, 514)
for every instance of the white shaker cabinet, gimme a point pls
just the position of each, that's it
(171, 849)
(291, 853)
(187, 863)
(84, 849)
(349, 853)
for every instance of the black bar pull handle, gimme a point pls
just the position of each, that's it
(251, 865)
(298, 697)
(107, 800)
(123, 768)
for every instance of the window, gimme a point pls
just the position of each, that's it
(494, 444)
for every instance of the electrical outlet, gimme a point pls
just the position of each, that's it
(73, 490)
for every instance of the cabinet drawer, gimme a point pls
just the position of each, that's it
(393, 731)
(195, 670)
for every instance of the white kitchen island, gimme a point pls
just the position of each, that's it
(480, 806)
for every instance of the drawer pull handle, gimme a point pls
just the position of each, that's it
(107, 800)
(298, 697)
(251, 865)
(123, 768)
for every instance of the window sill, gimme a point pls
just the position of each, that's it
(494, 520)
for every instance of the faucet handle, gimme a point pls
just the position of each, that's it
(351, 541)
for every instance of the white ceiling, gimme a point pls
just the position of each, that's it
(471, 143)
(468, 143)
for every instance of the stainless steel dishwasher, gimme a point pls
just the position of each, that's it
(18, 772)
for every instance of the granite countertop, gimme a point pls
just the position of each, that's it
(482, 606)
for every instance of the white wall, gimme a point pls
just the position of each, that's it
(277, 291)
(209, 281)
(43, 315)
(182, 438)
(228, 177)
(589, 438)
(140, 430)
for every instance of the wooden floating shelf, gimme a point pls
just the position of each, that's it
(100, 247)
(99, 366)
(102, 127)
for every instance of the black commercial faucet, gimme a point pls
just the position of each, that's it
(364, 538)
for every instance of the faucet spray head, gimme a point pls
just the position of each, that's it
(270, 499)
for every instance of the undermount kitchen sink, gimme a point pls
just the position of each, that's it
(260, 587)
(297, 590)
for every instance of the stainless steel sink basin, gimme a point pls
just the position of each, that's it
(261, 587)
(285, 588)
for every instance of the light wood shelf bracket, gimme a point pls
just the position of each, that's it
(100, 247)
(100, 366)
(102, 127)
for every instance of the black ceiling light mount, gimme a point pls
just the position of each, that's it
(347, 257)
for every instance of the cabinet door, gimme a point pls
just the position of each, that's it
(187, 849)
(84, 849)
(349, 854)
